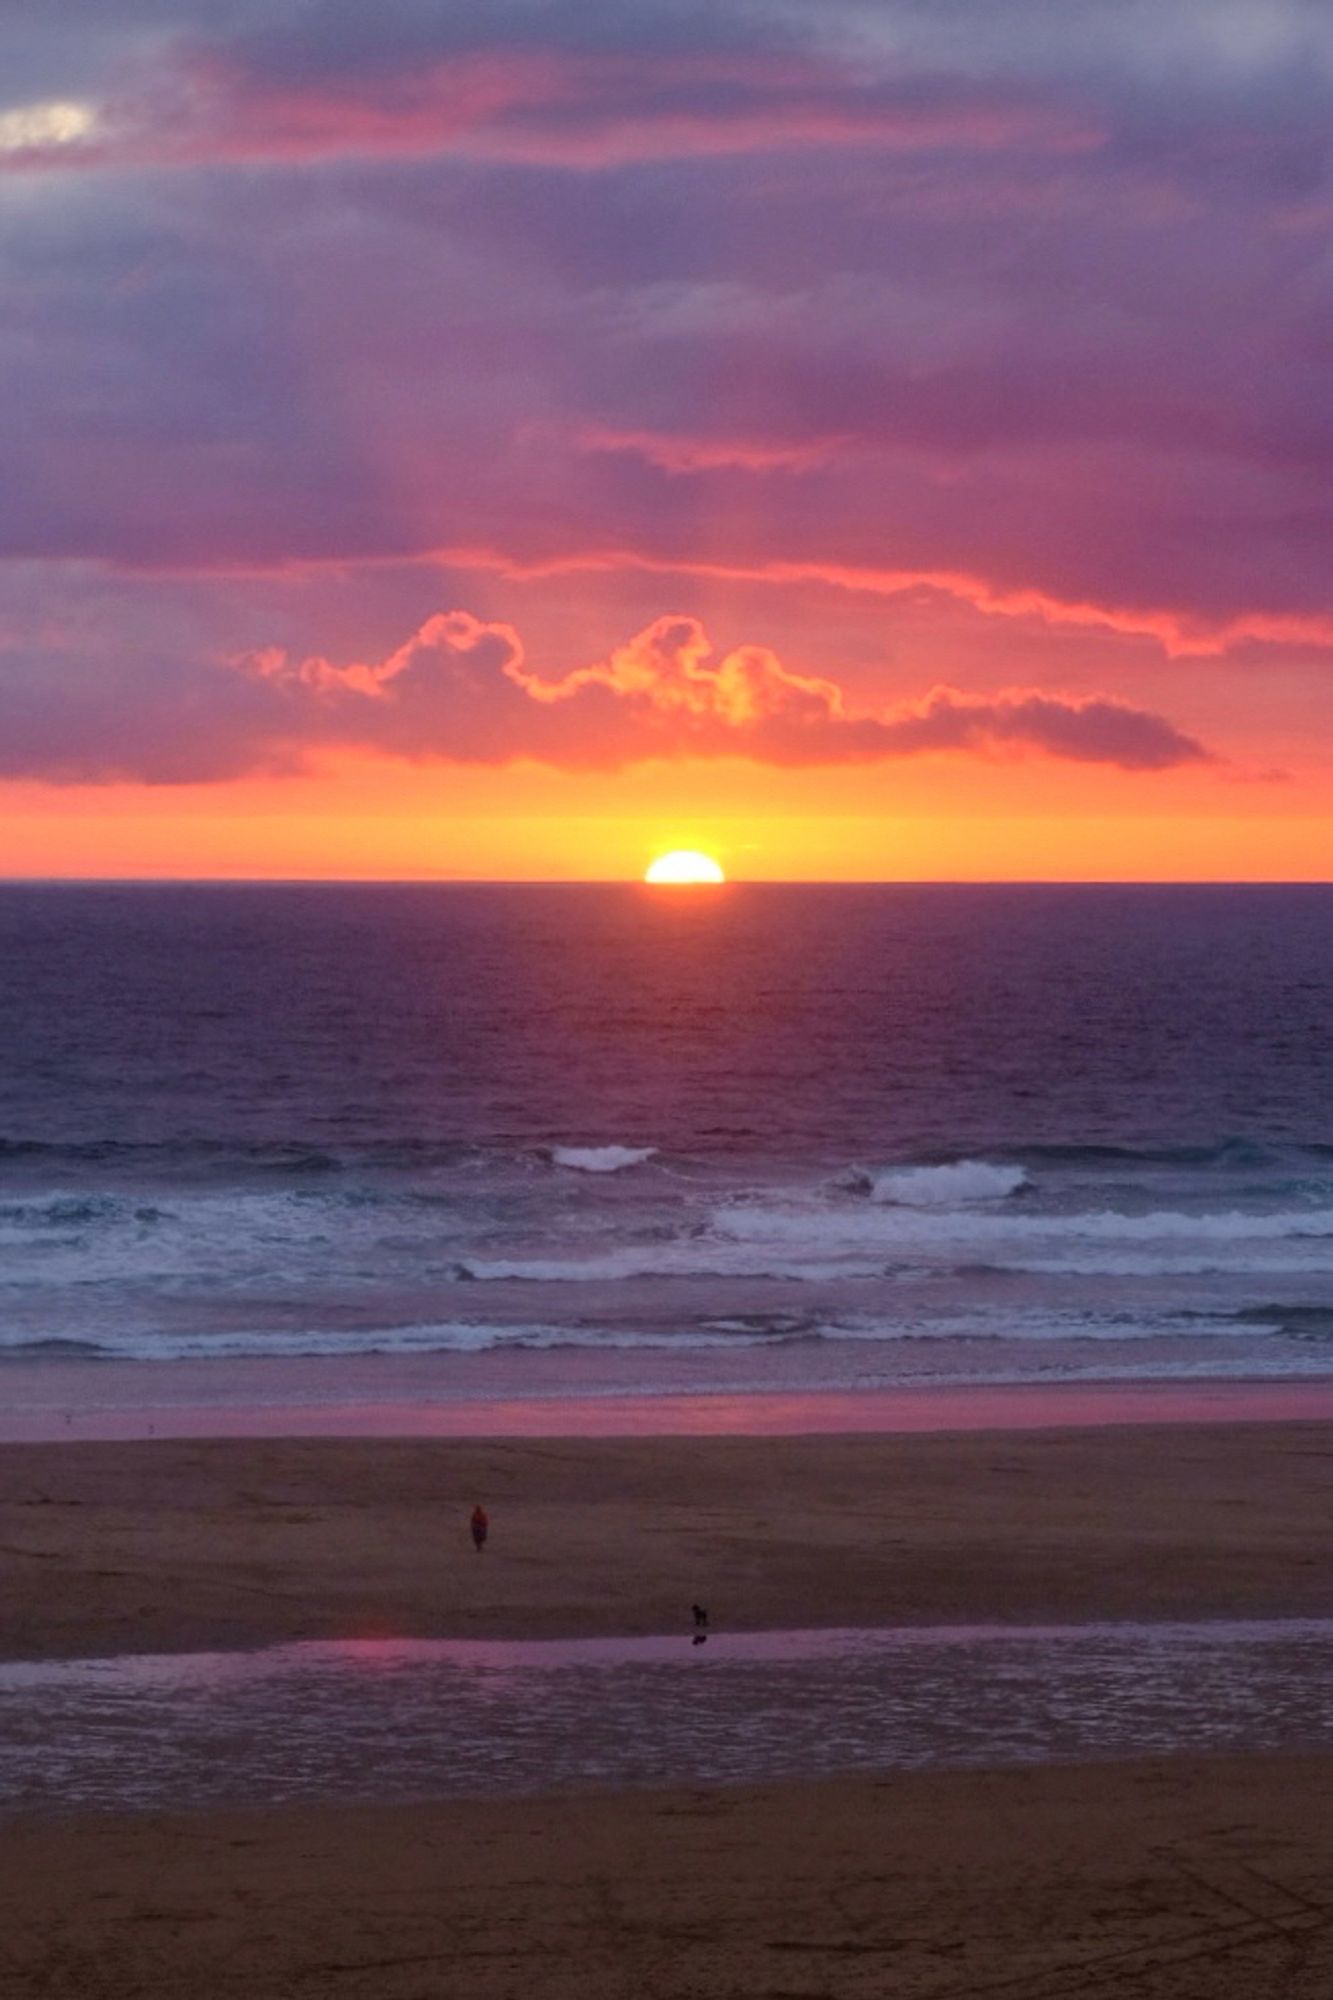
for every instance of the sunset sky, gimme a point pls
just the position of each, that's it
(855, 438)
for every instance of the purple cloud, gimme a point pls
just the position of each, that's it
(1018, 317)
(461, 689)
(209, 104)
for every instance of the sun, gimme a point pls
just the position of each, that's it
(684, 866)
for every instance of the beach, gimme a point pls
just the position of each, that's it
(1175, 1878)
(173, 1545)
(1183, 1880)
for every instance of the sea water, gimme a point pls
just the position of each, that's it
(758, 1135)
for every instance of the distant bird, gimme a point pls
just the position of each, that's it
(700, 1615)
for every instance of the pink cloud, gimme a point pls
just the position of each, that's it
(894, 349)
(461, 689)
(676, 453)
(208, 103)
(1179, 634)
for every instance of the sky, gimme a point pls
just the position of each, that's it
(858, 438)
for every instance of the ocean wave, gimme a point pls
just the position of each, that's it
(601, 1159)
(222, 1160)
(935, 1178)
(296, 1158)
(77, 1211)
(279, 1156)
(848, 1227)
(691, 1259)
(1058, 1334)
(960, 1222)
(54, 1347)
(1236, 1151)
(958, 1181)
(814, 1241)
(1294, 1322)
(424, 1337)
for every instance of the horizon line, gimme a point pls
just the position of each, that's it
(637, 882)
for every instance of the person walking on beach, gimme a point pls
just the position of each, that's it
(480, 1526)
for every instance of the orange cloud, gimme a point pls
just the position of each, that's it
(461, 689)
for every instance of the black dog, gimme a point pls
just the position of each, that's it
(700, 1615)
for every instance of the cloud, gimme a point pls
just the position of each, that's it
(461, 689)
(531, 98)
(1178, 635)
(31, 129)
(996, 336)
(1089, 730)
(709, 454)
(74, 715)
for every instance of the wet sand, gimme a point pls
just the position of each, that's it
(1188, 1880)
(385, 1721)
(185, 1545)
(546, 1393)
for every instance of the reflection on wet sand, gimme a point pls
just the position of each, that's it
(383, 1718)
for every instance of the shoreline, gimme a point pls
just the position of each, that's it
(224, 1544)
(54, 1401)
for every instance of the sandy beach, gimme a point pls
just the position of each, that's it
(1192, 1878)
(167, 1546)
(1172, 1881)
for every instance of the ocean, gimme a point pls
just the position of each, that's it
(761, 1136)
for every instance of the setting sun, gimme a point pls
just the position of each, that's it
(683, 865)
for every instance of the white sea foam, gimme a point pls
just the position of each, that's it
(699, 1257)
(386, 1264)
(100, 1253)
(846, 1228)
(909, 1327)
(601, 1159)
(428, 1337)
(946, 1186)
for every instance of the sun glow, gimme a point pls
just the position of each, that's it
(30, 127)
(684, 866)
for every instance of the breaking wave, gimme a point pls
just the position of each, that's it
(448, 1248)
(601, 1159)
(943, 1186)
